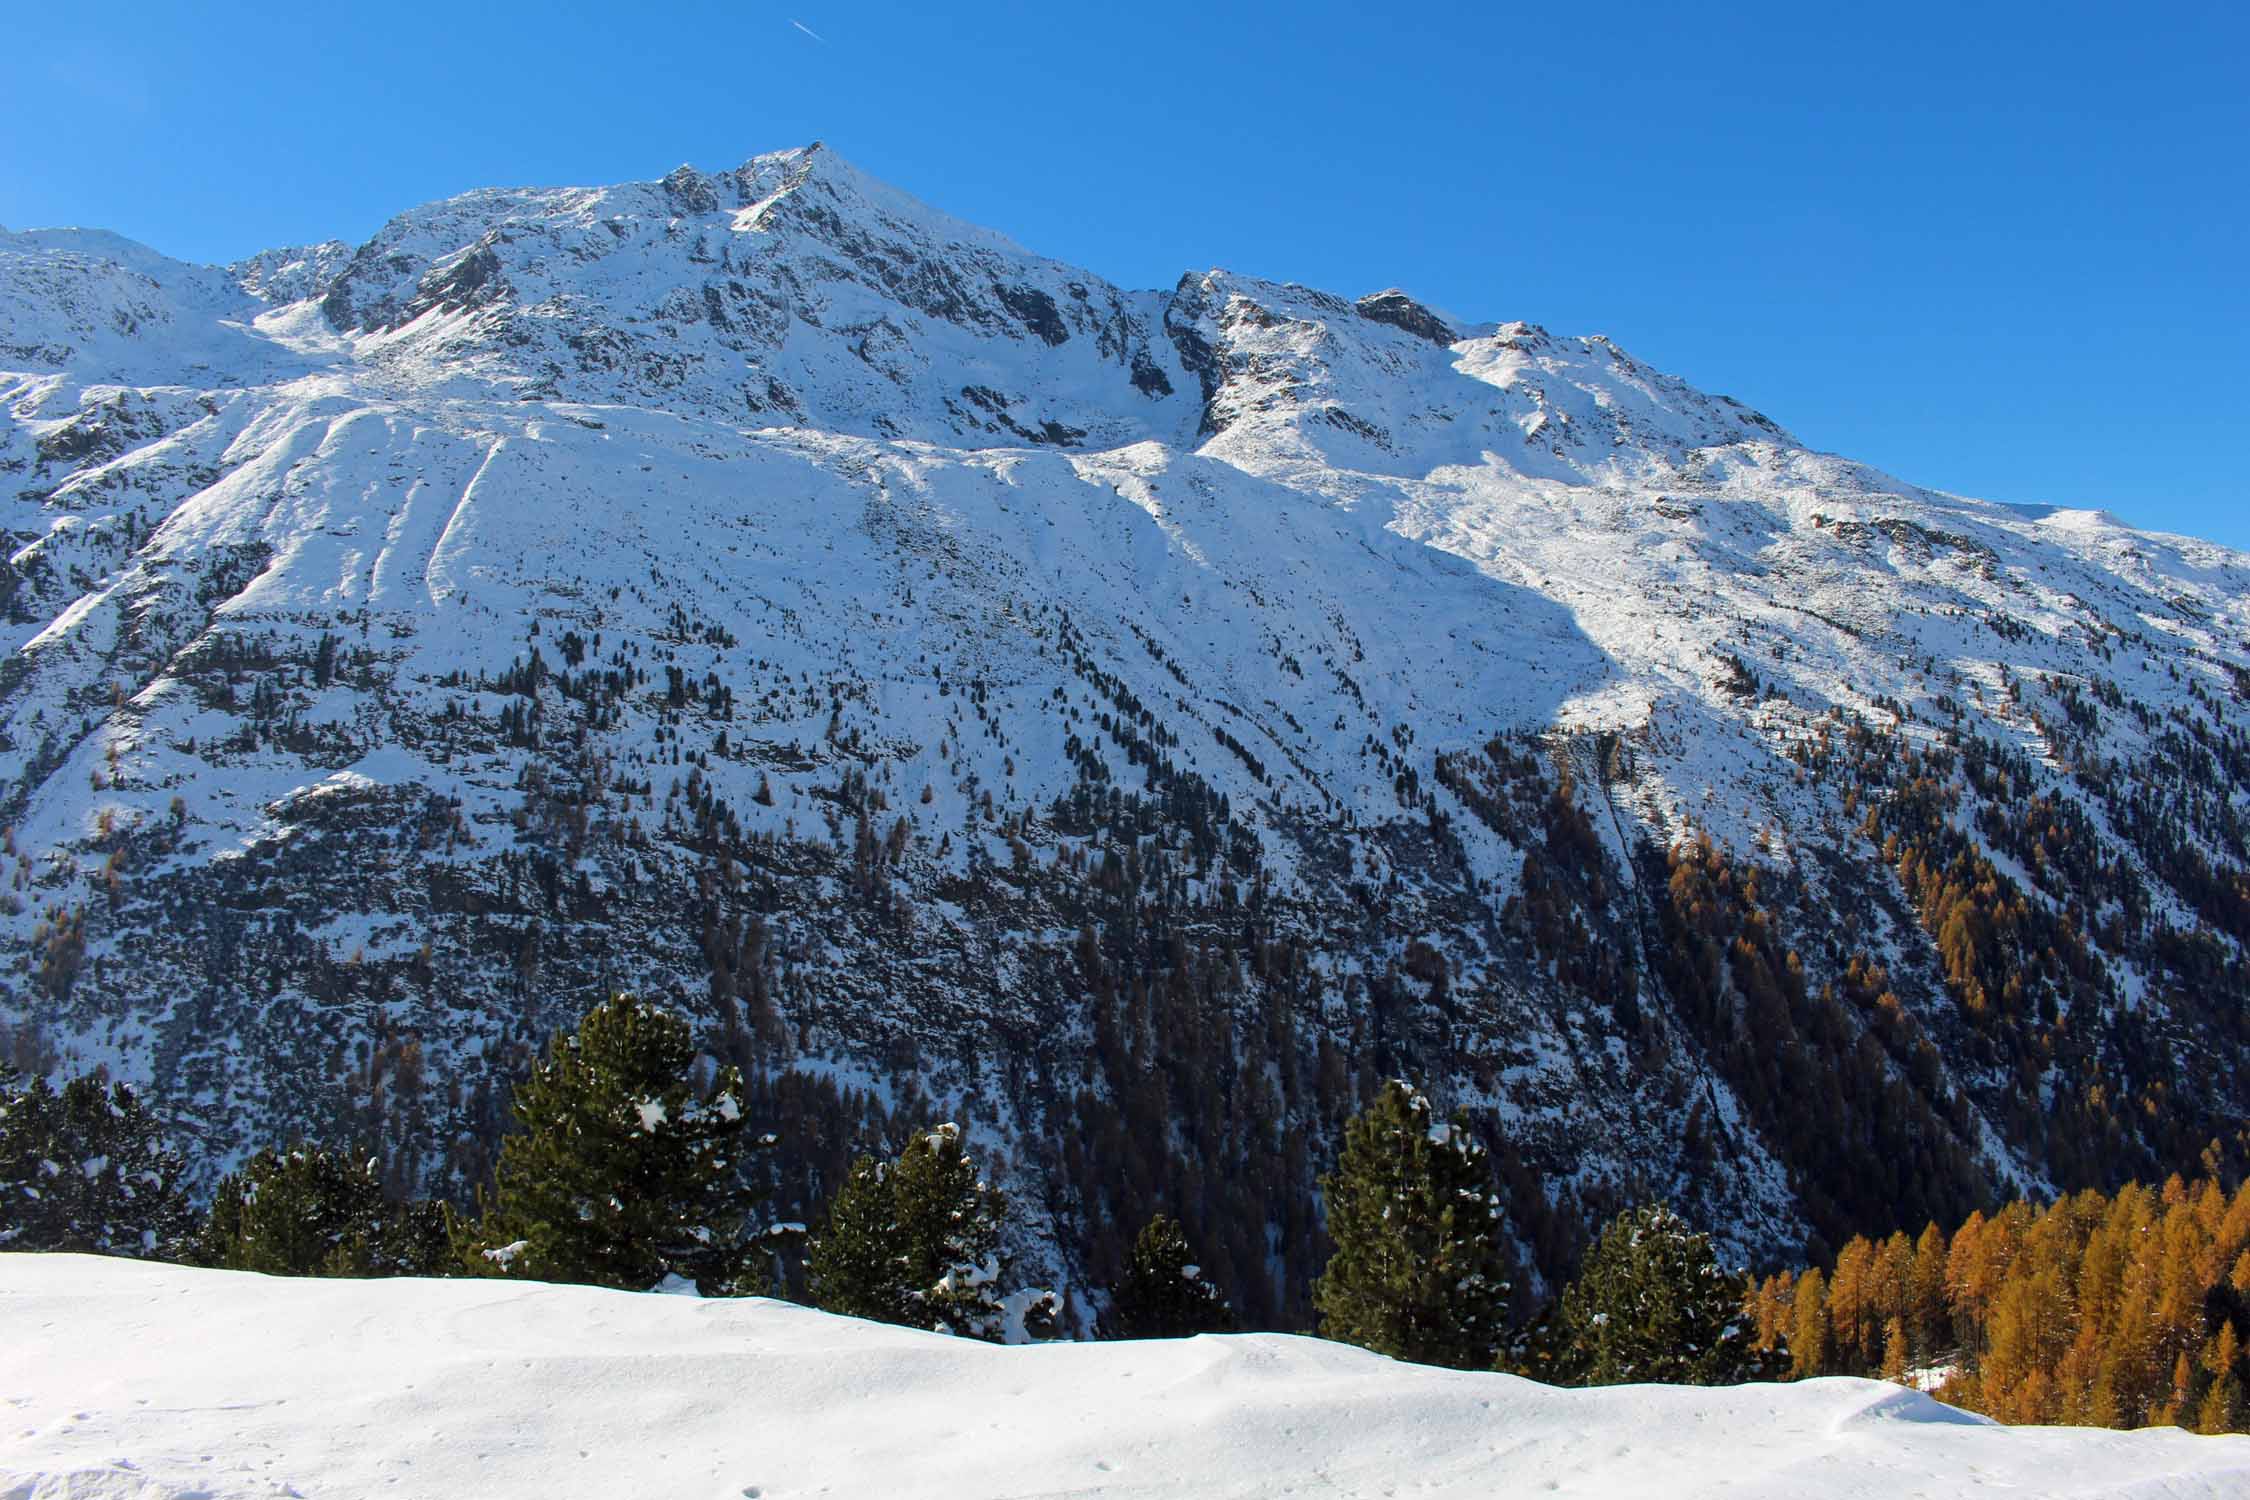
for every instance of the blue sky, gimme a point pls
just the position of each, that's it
(1996, 248)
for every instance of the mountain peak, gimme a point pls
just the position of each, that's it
(855, 195)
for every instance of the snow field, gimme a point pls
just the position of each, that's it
(123, 1380)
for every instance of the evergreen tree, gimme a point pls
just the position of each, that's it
(309, 1211)
(949, 1234)
(917, 1242)
(1651, 1303)
(1419, 1272)
(853, 1265)
(1930, 1327)
(1162, 1294)
(86, 1169)
(624, 1173)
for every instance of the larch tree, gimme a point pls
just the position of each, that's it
(1808, 1327)
(2103, 1310)
(2221, 1409)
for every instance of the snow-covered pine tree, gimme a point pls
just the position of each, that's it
(624, 1173)
(310, 1211)
(949, 1233)
(1419, 1272)
(1162, 1294)
(917, 1241)
(87, 1169)
(1651, 1303)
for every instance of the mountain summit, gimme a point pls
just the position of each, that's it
(1130, 723)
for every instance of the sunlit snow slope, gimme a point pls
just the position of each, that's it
(138, 1382)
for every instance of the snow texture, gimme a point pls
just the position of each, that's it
(129, 1381)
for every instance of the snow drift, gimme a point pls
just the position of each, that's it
(154, 1382)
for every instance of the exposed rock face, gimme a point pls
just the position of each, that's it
(1132, 723)
(281, 277)
(1401, 311)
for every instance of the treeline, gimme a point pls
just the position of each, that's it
(2129, 1310)
(634, 1165)
(631, 1166)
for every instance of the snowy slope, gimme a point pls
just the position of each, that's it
(764, 589)
(135, 1382)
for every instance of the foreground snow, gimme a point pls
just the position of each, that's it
(160, 1383)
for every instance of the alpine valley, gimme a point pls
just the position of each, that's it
(1132, 724)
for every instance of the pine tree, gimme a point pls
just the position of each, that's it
(309, 1211)
(853, 1265)
(917, 1241)
(624, 1173)
(1162, 1294)
(1652, 1303)
(87, 1169)
(1419, 1272)
(949, 1234)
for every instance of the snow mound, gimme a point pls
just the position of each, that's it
(158, 1382)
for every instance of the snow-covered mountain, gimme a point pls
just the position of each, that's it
(1132, 722)
(141, 1382)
